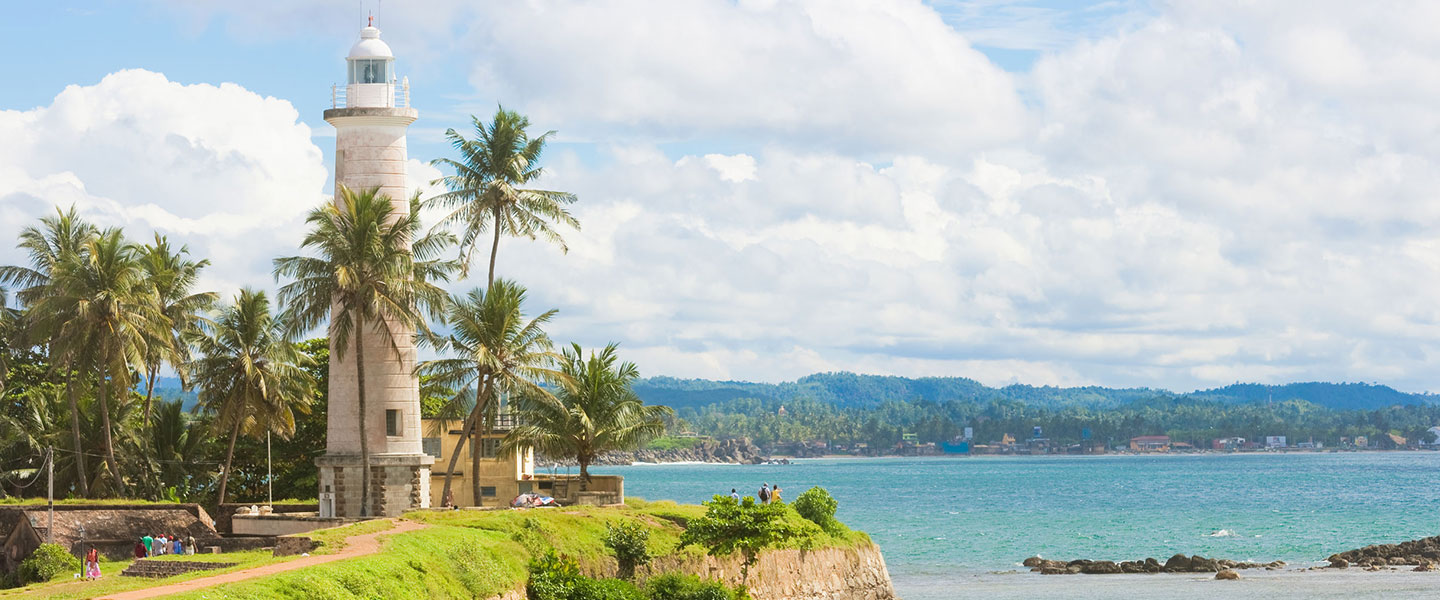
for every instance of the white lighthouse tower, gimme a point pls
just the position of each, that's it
(370, 114)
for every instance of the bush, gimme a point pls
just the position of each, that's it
(675, 586)
(555, 577)
(745, 527)
(629, 543)
(45, 563)
(818, 506)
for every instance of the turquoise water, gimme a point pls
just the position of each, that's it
(941, 521)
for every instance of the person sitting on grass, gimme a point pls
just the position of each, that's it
(140, 550)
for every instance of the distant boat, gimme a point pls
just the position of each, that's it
(962, 447)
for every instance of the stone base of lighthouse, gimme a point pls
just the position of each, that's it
(398, 483)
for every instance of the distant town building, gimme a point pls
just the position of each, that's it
(1229, 444)
(1274, 441)
(1435, 434)
(782, 412)
(1390, 441)
(1150, 443)
(1362, 442)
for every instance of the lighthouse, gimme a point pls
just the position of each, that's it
(370, 114)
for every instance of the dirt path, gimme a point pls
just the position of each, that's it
(359, 545)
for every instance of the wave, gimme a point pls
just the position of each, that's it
(1222, 533)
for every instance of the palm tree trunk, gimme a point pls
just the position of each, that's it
(584, 471)
(229, 454)
(360, 400)
(105, 432)
(494, 249)
(149, 390)
(482, 429)
(75, 431)
(465, 431)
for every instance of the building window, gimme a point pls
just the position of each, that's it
(392, 422)
(430, 446)
(487, 491)
(489, 447)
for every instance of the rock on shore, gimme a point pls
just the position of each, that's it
(1423, 552)
(736, 451)
(1176, 564)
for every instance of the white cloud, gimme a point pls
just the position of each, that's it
(1219, 191)
(220, 168)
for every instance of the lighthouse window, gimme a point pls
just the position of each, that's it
(392, 422)
(369, 71)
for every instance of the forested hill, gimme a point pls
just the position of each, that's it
(849, 390)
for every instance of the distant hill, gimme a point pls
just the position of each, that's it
(169, 389)
(865, 391)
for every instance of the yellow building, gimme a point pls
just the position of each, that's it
(501, 480)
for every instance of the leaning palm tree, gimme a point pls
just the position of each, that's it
(495, 352)
(60, 239)
(99, 313)
(369, 279)
(488, 190)
(170, 276)
(594, 412)
(250, 376)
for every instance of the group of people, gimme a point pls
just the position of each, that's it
(161, 544)
(766, 494)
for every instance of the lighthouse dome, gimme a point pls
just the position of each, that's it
(370, 46)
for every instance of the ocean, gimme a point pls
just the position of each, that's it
(954, 527)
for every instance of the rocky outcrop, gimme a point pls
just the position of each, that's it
(736, 451)
(822, 574)
(1421, 552)
(1176, 564)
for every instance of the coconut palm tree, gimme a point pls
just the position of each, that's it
(594, 412)
(495, 352)
(99, 313)
(249, 375)
(60, 239)
(369, 278)
(488, 190)
(170, 275)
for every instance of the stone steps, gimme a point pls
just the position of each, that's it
(166, 568)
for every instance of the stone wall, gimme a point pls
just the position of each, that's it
(227, 510)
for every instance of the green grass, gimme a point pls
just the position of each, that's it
(671, 443)
(440, 562)
(104, 501)
(67, 588)
(331, 540)
(463, 554)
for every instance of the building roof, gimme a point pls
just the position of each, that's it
(1151, 438)
(370, 46)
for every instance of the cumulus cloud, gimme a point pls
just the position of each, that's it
(1208, 192)
(220, 168)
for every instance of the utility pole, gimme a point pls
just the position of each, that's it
(50, 468)
(269, 477)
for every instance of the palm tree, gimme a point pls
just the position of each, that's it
(369, 278)
(496, 352)
(59, 240)
(98, 313)
(487, 190)
(170, 275)
(594, 412)
(250, 376)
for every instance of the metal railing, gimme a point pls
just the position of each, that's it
(397, 95)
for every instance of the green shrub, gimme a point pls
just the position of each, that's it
(555, 577)
(818, 506)
(746, 527)
(677, 586)
(629, 542)
(45, 563)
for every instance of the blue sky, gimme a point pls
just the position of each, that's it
(1175, 194)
